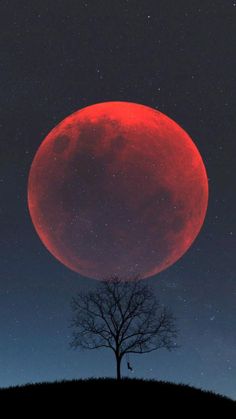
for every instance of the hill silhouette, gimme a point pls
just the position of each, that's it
(128, 394)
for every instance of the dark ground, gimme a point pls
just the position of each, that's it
(108, 397)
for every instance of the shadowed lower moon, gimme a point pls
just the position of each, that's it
(117, 188)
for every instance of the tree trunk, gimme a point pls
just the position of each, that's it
(118, 369)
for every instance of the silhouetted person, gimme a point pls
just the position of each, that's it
(129, 366)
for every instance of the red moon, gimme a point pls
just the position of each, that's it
(117, 188)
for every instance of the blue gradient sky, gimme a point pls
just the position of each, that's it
(176, 57)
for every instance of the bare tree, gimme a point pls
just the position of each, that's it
(124, 317)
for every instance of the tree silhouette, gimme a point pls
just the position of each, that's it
(124, 317)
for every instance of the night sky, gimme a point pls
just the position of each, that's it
(177, 57)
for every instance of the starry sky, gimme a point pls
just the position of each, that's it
(177, 57)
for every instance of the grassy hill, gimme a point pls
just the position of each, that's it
(131, 394)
